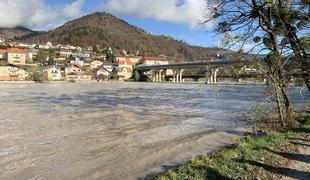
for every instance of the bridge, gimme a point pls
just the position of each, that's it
(212, 66)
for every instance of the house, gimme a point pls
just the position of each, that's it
(78, 77)
(96, 64)
(48, 45)
(65, 53)
(249, 69)
(124, 69)
(133, 59)
(73, 69)
(75, 73)
(149, 61)
(52, 74)
(2, 54)
(106, 70)
(18, 56)
(59, 60)
(12, 73)
(25, 45)
(2, 41)
(102, 57)
(77, 61)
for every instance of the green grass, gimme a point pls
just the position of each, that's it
(229, 163)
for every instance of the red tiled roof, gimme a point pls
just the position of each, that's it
(3, 51)
(155, 59)
(18, 51)
(127, 61)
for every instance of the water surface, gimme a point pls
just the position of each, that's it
(116, 130)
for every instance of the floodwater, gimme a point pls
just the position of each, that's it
(116, 130)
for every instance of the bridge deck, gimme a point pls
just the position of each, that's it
(196, 64)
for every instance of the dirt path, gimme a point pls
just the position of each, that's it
(299, 161)
(290, 160)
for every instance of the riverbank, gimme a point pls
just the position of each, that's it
(17, 82)
(278, 155)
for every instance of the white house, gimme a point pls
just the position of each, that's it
(133, 59)
(2, 41)
(124, 69)
(16, 56)
(77, 61)
(48, 45)
(73, 69)
(66, 53)
(155, 61)
(78, 77)
(96, 64)
(105, 71)
(52, 74)
(12, 73)
(2, 54)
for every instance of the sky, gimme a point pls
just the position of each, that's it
(176, 18)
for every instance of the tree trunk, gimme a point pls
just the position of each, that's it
(301, 54)
(284, 90)
(277, 95)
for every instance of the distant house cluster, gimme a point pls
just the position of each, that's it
(68, 63)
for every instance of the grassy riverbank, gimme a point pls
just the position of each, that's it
(274, 156)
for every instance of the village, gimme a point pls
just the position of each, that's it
(57, 63)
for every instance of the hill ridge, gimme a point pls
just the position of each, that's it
(106, 30)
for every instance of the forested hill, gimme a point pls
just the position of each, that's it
(106, 30)
(11, 33)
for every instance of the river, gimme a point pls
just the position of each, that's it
(116, 130)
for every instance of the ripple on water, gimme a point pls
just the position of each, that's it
(117, 130)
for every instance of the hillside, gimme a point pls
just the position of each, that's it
(11, 33)
(108, 31)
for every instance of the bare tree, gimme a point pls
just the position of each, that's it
(271, 28)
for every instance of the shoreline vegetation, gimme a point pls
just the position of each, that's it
(270, 155)
(188, 82)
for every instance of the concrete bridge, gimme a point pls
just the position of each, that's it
(212, 66)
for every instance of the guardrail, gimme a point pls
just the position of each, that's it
(195, 64)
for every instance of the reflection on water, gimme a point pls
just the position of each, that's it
(117, 130)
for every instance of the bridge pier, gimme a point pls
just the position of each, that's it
(177, 75)
(215, 75)
(156, 75)
(173, 76)
(153, 76)
(211, 76)
(181, 75)
(137, 76)
(160, 75)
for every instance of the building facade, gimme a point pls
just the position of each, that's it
(96, 64)
(78, 77)
(16, 56)
(106, 71)
(124, 69)
(73, 69)
(12, 73)
(52, 74)
(149, 61)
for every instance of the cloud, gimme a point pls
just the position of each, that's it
(185, 12)
(36, 13)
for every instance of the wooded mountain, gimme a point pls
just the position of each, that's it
(106, 30)
(11, 33)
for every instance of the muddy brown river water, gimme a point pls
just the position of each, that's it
(116, 130)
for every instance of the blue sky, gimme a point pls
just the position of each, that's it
(192, 35)
(175, 18)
